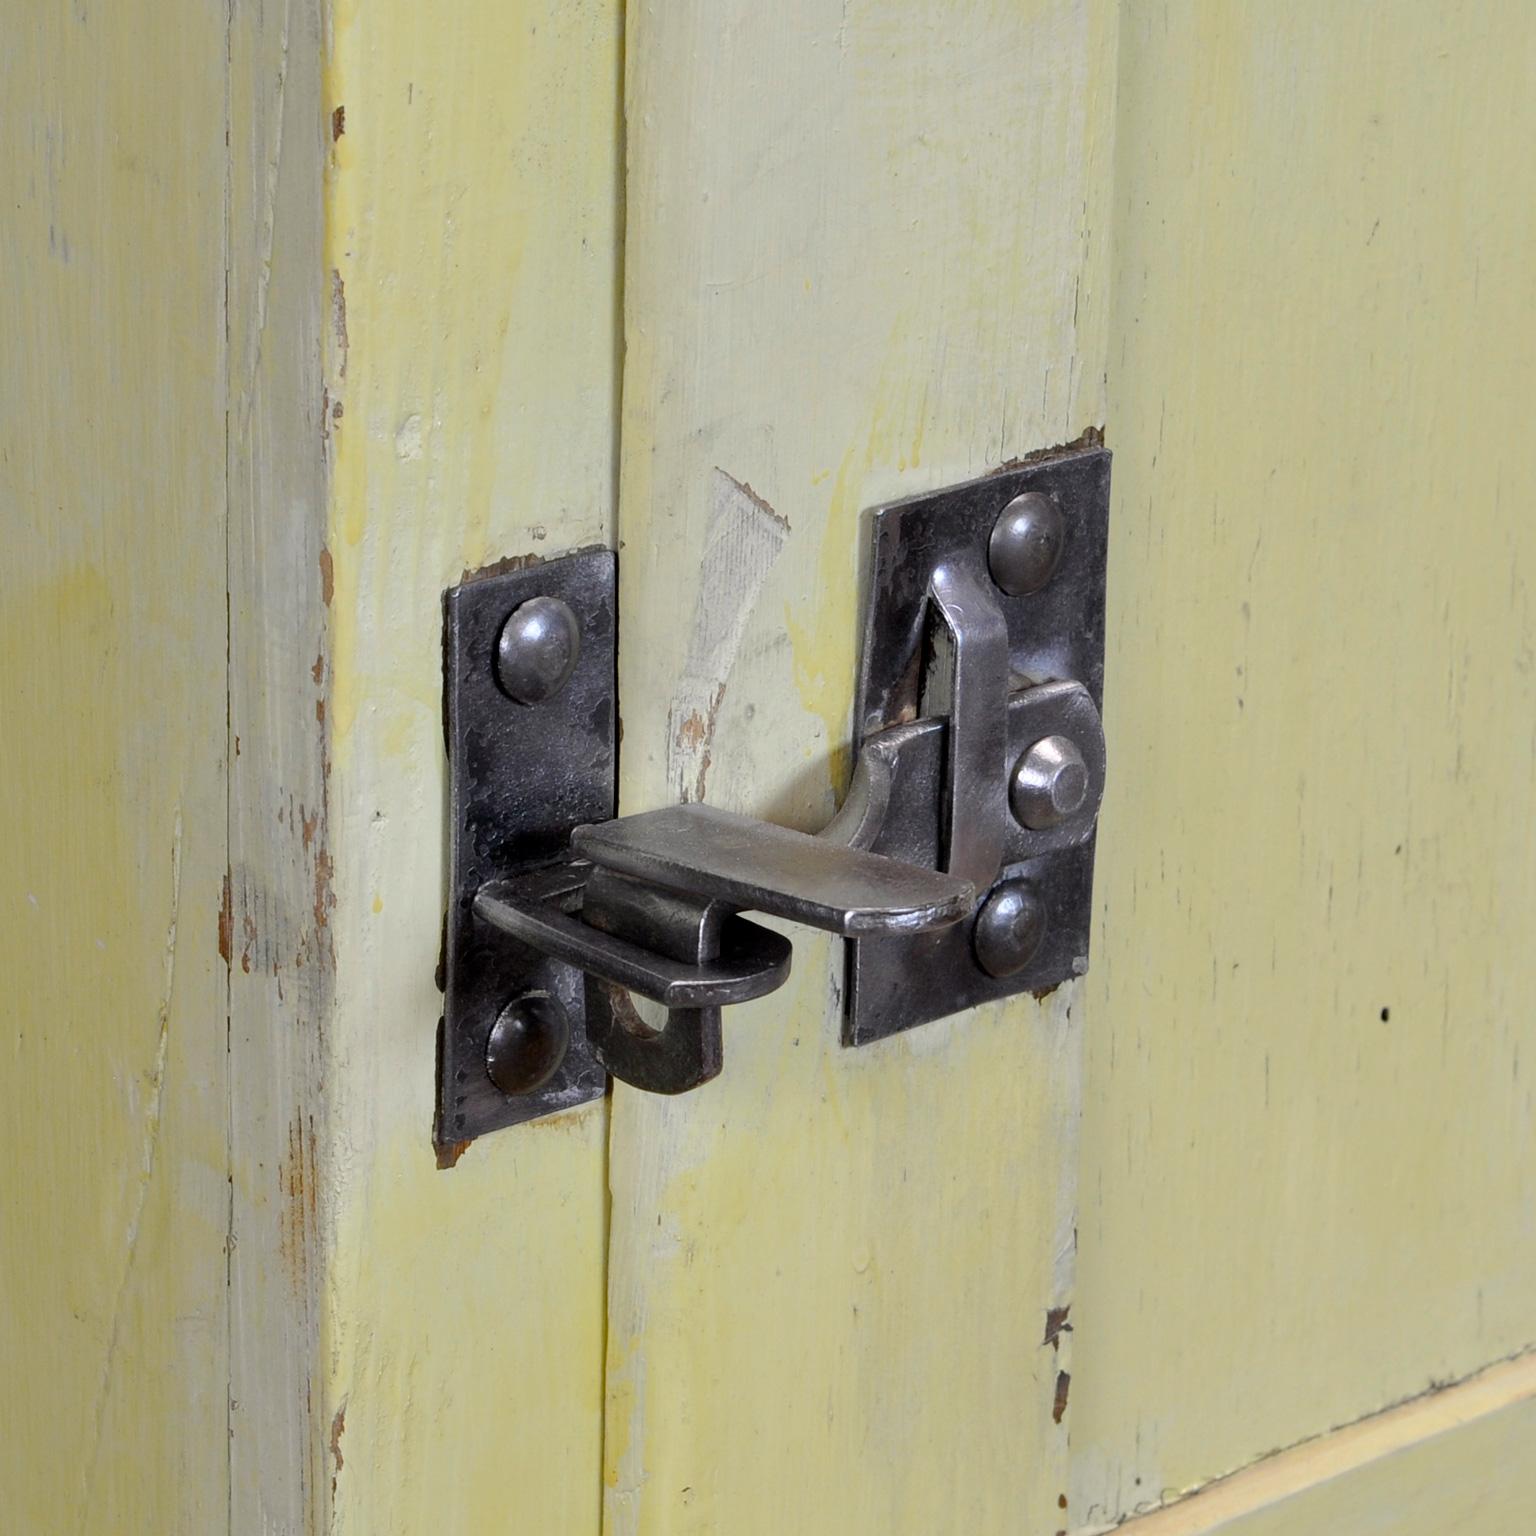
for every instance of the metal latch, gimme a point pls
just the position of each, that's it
(959, 868)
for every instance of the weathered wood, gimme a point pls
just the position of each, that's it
(279, 896)
(229, 1261)
(308, 307)
(114, 1200)
(1308, 1173)
(865, 255)
(471, 249)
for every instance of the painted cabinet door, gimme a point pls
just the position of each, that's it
(865, 255)
(1268, 1169)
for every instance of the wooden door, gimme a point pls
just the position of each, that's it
(310, 309)
(1267, 1169)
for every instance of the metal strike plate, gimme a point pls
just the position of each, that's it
(521, 775)
(1055, 634)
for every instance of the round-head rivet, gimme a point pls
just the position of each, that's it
(1010, 929)
(1049, 784)
(537, 649)
(1026, 543)
(527, 1044)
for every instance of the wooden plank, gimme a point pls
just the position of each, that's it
(1312, 1010)
(470, 251)
(1456, 1460)
(277, 931)
(864, 256)
(113, 1215)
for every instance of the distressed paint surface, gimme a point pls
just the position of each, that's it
(1308, 1181)
(277, 906)
(113, 1207)
(847, 277)
(471, 248)
(238, 1292)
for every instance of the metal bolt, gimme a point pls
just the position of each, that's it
(1025, 547)
(537, 649)
(1009, 929)
(1049, 784)
(528, 1042)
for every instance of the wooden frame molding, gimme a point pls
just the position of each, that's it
(1449, 1460)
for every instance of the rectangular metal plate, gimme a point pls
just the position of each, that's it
(1055, 634)
(520, 778)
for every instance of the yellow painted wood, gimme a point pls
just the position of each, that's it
(864, 256)
(277, 922)
(307, 309)
(312, 309)
(1458, 1460)
(1311, 1016)
(470, 249)
(114, 1198)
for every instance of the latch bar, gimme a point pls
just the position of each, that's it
(753, 961)
(760, 867)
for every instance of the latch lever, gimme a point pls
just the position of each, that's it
(755, 865)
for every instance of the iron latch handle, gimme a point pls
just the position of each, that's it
(749, 962)
(959, 866)
(659, 896)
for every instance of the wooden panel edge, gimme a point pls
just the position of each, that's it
(274, 925)
(1269, 1484)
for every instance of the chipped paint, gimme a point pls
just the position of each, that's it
(743, 537)
(338, 1429)
(1056, 1324)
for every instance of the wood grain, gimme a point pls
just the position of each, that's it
(113, 1095)
(1311, 1016)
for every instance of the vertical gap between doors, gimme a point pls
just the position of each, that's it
(620, 183)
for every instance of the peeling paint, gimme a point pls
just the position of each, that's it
(339, 322)
(1055, 1325)
(338, 1429)
(743, 538)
